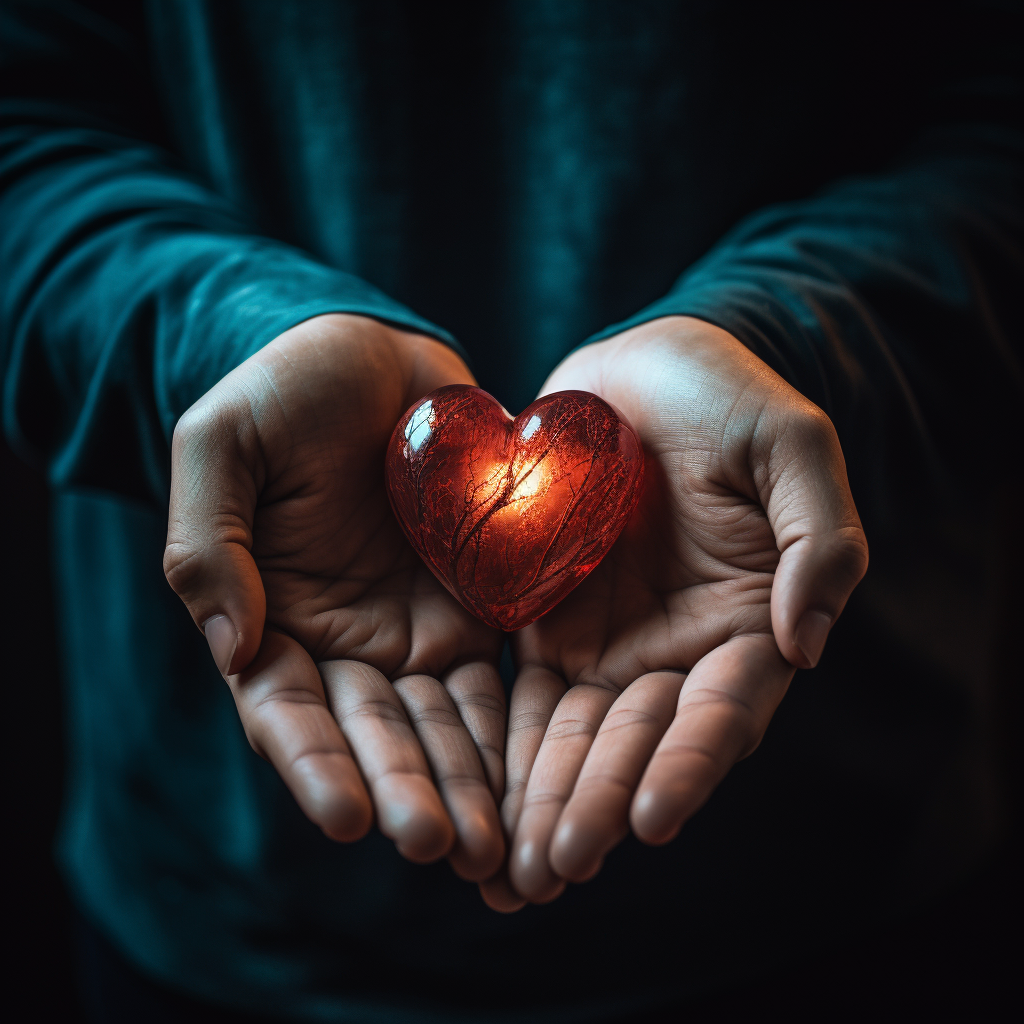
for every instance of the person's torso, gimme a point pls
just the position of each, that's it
(525, 173)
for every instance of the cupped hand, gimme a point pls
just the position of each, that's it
(638, 693)
(367, 686)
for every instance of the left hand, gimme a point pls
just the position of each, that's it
(638, 693)
(371, 691)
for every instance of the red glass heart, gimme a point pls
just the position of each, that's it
(511, 514)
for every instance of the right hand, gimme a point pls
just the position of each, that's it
(355, 673)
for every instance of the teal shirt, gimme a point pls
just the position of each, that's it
(182, 181)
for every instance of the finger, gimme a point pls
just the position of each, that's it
(480, 700)
(566, 744)
(207, 559)
(596, 818)
(535, 696)
(723, 710)
(498, 894)
(457, 769)
(280, 701)
(824, 552)
(384, 744)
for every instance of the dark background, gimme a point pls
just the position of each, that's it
(959, 959)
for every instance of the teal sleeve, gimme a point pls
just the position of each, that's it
(127, 287)
(893, 301)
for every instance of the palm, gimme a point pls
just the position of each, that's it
(688, 574)
(339, 575)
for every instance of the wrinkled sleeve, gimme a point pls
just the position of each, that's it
(893, 301)
(127, 288)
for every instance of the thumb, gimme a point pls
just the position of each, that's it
(207, 560)
(824, 554)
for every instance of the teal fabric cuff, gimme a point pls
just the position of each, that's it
(247, 299)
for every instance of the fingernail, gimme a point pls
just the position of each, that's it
(811, 634)
(222, 637)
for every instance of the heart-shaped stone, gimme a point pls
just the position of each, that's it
(511, 514)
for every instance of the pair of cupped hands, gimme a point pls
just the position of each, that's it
(377, 697)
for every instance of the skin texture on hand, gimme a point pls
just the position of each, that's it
(637, 694)
(365, 684)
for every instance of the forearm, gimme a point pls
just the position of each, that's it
(129, 287)
(878, 300)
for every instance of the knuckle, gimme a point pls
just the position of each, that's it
(812, 426)
(212, 422)
(850, 553)
(196, 421)
(376, 710)
(681, 759)
(182, 567)
(741, 714)
(528, 721)
(515, 785)
(624, 718)
(255, 735)
(570, 729)
(436, 715)
(456, 779)
(601, 781)
(539, 799)
(491, 750)
(489, 703)
(269, 706)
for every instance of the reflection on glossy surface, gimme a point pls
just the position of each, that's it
(512, 514)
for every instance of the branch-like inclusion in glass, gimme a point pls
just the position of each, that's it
(511, 514)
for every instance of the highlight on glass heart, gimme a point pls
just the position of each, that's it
(512, 513)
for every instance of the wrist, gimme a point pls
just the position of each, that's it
(658, 369)
(427, 364)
